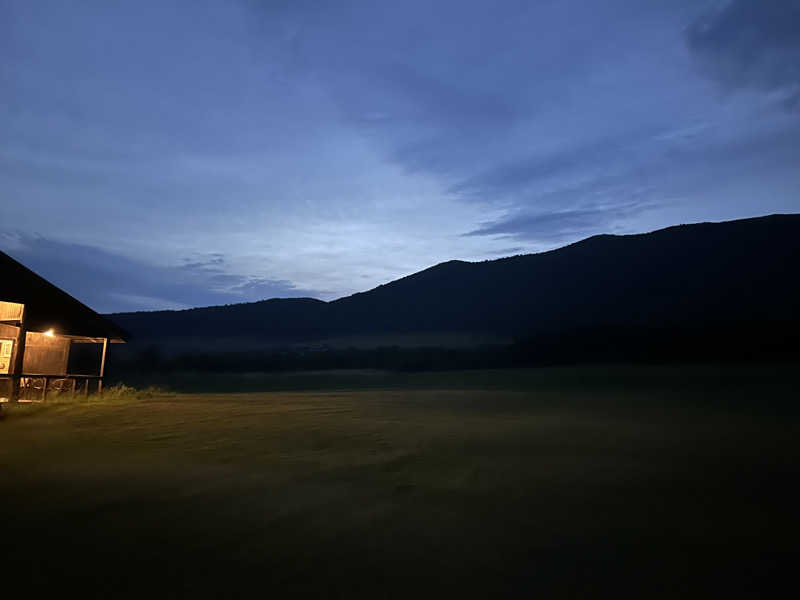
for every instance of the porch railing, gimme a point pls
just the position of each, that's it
(36, 387)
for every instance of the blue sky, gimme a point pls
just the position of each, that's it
(175, 154)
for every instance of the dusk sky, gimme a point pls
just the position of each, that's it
(175, 154)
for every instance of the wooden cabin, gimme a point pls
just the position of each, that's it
(50, 343)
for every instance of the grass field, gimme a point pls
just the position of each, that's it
(641, 482)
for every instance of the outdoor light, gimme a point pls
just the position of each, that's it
(49, 333)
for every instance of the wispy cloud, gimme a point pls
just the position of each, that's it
(558, 226)
(110, 282)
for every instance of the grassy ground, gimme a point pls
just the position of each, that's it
(566, 482)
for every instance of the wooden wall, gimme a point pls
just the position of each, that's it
(10, 311)
(8, 332)
(45, 355)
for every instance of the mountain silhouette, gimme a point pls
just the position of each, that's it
(707, 276)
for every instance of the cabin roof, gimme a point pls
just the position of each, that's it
(49, 307)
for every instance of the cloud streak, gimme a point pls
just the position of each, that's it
(109, 282)
(558, 226)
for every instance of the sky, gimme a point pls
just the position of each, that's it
(163, 155)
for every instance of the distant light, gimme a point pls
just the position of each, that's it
(49, 333)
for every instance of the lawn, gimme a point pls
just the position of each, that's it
(643, 482)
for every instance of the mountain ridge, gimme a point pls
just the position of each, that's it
(687, 275)
(600, 236)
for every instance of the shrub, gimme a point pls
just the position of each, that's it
(121, 391)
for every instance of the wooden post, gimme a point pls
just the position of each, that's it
(102, 367)
(19, 358)
(44, 388)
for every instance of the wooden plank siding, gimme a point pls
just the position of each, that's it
(8, 332)
(10, 311)
(45, 355)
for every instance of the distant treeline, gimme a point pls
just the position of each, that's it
(754, 342)
(710, 292)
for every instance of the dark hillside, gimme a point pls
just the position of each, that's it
(278, 318)
(688, 278)
(740, 270)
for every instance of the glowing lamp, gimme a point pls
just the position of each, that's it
(49, 333)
